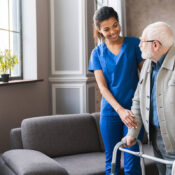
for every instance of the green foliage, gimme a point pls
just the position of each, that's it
(7, 61)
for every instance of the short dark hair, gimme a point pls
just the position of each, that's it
(101, 15)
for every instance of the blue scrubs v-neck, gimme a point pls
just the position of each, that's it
(120, 72)
(112, 59)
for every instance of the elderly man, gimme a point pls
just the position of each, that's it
(154, 99)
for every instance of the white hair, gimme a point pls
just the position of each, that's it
(160, 31)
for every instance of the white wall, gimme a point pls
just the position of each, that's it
(71, 44)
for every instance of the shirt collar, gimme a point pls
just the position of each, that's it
(169, 61)
(159, 62)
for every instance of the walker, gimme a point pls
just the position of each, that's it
(120, 146)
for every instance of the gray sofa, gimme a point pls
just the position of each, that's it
(58, 145)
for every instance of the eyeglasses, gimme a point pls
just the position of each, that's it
(150, 41)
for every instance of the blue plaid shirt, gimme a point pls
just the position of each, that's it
(153, 105)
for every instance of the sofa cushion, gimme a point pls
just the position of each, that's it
(61, 134)
(4, 169)
(30, 162)
(84, 164)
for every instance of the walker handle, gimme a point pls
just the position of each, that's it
(114, 155)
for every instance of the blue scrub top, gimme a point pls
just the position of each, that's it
(120, 72)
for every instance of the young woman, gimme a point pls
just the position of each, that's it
(115, 64)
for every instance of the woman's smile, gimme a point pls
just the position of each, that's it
(114, 36)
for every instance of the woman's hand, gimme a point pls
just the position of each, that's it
(127, 117)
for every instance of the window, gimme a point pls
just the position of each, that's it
(11, 32)
(101, 3)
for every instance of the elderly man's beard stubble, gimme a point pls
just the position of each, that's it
(147, 53)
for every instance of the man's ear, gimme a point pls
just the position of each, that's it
(156, 45)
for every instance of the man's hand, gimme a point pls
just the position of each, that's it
(129, 140)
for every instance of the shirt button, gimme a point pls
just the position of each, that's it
(148, 96)
(147, 108)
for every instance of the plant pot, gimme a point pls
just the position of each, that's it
(5, 77)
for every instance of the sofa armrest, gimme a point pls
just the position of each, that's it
(15, 138)
(30, 162)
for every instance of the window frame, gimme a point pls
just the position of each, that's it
(20, 77)
(101, 4)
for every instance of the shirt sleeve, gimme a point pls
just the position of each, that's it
(138, 52)
(94, 62)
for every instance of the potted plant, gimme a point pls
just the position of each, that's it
(7, 63)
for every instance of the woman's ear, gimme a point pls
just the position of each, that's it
(98, 29)
(99, 32)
